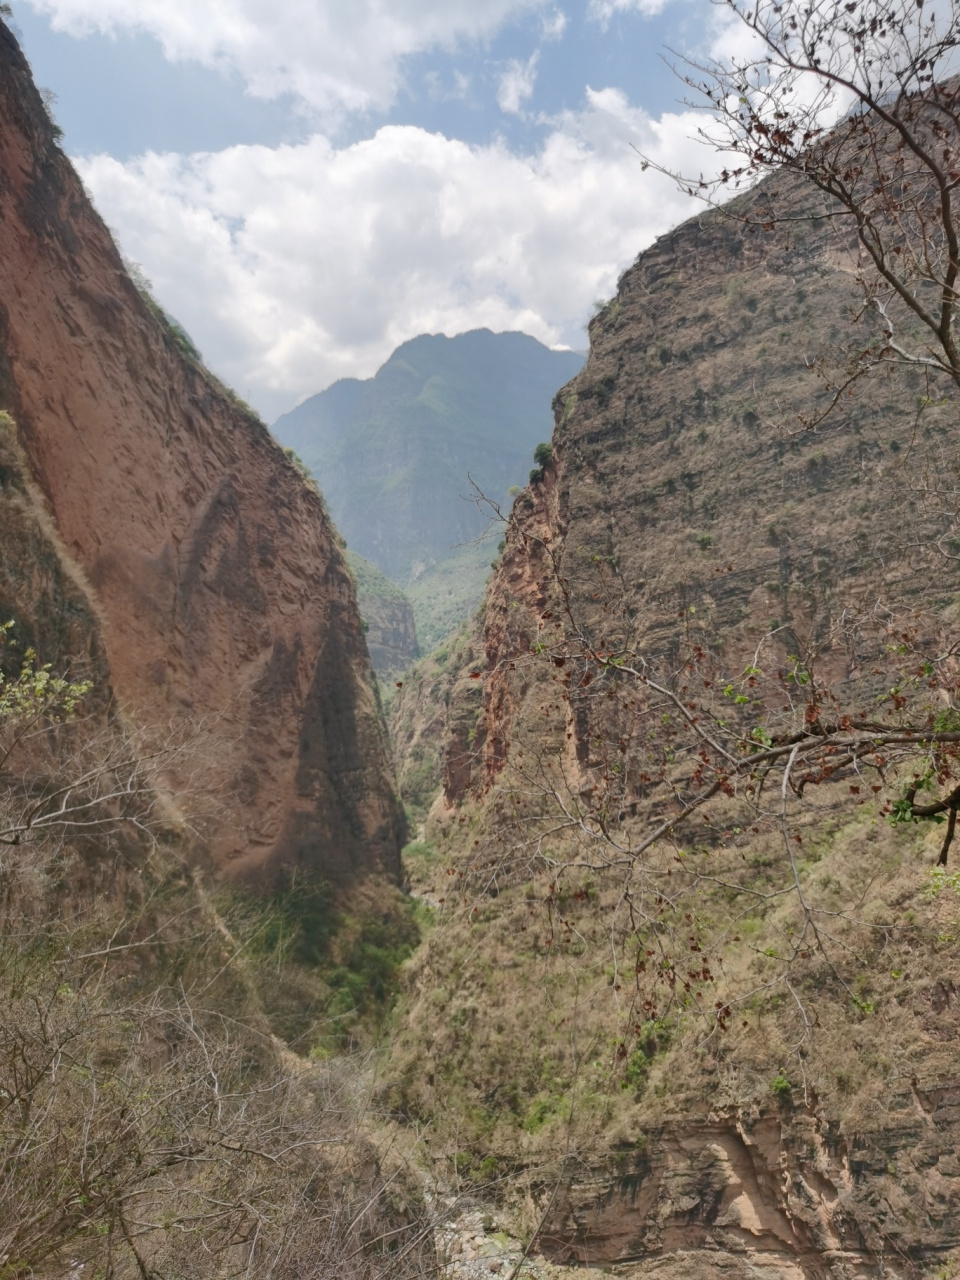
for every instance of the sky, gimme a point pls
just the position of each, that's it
(309, 183)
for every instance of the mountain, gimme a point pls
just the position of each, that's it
(394, 455)
(727, 1051)
(205, 565)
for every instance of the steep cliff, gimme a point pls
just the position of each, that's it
(221, 591)
(388, 617)
(813, 1134)
(684, 473)
(41, 590)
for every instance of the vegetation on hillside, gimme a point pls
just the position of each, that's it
(151, 1120)
(700, 852)
(370, 581)
(450, 591)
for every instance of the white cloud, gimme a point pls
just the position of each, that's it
(293, 267)
(336, 55)
(517, 84)
(603, 10)
(554, 25)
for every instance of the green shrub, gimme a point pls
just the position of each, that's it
(781, 1086)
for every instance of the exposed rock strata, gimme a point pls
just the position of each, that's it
(786, 1190)
(682, 471)
(391, 633)
(221, 589)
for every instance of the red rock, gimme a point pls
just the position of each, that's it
(221, 588)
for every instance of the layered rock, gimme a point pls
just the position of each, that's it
(222, 593)
(686, 479)
(784, 1191)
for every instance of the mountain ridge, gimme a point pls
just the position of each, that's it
(394, 454)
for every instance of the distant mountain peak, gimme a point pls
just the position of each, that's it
(395, 454)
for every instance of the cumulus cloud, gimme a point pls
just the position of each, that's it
(294, 266)
(334, 56)
(554, 24)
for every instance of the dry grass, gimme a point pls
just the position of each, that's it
(523, 1036)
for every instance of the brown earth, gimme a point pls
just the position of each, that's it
(221, 592)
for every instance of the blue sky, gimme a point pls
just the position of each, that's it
(308, 183)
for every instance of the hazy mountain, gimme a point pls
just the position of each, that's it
(394, 454)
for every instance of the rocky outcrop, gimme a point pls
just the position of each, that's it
(221, 590)
(391, 633)
(436, 722)
(388, 619)
(786, 1191)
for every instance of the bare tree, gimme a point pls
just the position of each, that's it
(148, 1136)
(858, 103)
(151, 1123)
(77, 775)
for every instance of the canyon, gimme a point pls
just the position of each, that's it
(579, 1069)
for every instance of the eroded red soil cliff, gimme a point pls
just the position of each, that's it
(222, 592)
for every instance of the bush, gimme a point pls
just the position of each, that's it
(543, 454)
(781, 1086)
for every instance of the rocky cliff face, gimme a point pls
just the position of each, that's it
(41, 591)
(221, 591)
(387, 615)
(782, 1191)
(684, 472)
(391, 633)
(686, 490)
